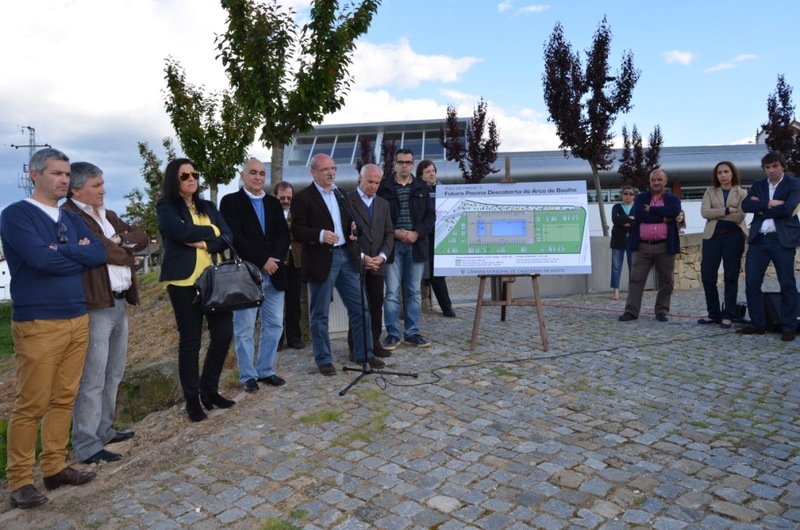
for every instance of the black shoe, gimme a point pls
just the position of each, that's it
(327, 369)
(272, 380)
(662, 317)
(627, 316)
(787, 336)
(379, 351)
(250, 386)
(449, 313)
(195, 410)
(121, 436)
(706, 320)
(297, 345)
(376, 363)
(100, 456)
(27, 497)
(70, 477)
(209, 400)
(750, 330)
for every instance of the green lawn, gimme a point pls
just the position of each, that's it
(6, 344)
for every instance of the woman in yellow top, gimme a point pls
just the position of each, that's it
(723, 242)
(190, 229)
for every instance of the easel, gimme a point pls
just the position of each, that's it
(507, 300)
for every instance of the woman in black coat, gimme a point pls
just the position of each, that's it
(190, 229)
(622, 221)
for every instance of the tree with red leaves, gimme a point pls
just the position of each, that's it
(635, 164)
(781, 136)
(476, 159)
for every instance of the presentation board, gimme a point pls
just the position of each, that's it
(516, 228)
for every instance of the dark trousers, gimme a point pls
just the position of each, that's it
(644, 259)
(373, 288)
(189, 318)
(292, 329)
(439, 288)
(726, 249)
(766, 248)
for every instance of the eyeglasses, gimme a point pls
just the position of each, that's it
(629, 193)
(62, 233)
(404, 162)
(331, 168)
(185, 176)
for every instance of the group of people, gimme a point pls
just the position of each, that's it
(646, 228)
(72, 277)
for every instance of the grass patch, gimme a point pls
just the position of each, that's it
(503, 372)
(4, 445)
(323, 416)
(376, 425)
(581, 385)
(6, 342)
(700, 424)
(276, 524)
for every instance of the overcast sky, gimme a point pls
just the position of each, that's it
(88, 74)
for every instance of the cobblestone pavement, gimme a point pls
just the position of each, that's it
(619, 425)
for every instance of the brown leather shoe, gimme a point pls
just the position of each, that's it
(750, 330)
(68, 476)
(27, 497)
(787, 336)
(327, 369)
(379, 351)
(376, 363)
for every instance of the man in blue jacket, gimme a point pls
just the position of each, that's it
(655, 242)
(774, 236)
(47, 251)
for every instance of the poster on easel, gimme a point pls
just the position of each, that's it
(515, 228)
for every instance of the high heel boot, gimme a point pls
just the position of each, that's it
(213, 398)
(194, 410)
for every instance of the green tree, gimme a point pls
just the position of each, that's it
(290, 77)
(366, 152)
(580, 104)
(636, 163)
(476, 159)
(214, 130)
(781, 136)
(141, 209)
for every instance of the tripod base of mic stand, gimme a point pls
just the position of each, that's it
(367, 370)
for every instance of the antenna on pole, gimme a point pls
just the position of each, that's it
(25, 181)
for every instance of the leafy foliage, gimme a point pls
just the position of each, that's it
(366, 152)
(141, 210)
(388, 149)
(580, 104)
(214, 129)
(288, 76)
(635, 164)
(780, 134)
(476, 159)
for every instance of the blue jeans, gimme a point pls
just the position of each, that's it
(244, 325)
(763, 249)
(344, 276)
(403, 271)
(96, 404)
(726, 249)
(617, 257)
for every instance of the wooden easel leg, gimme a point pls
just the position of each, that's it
(539, 311)
(505, 294)
(478, 306)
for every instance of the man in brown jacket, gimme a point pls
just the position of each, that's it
(108, 288)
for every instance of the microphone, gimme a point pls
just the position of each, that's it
(337, 194)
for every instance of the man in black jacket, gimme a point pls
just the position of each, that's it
(413, 217)
(260, 236)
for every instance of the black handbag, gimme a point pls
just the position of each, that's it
(230, 285)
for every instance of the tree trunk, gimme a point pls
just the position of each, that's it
(600, 201)
(276, 169)
(212, 192)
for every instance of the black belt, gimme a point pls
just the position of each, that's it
(119, 295)
(655, 242)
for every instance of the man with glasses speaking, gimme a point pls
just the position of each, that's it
(47, 250)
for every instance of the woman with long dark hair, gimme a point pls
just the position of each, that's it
(723, 242)
(191, 228)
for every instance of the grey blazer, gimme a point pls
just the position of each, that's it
(381, 229)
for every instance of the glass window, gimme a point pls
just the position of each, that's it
(324, 145)
(343, 152)
(413, 141)
(301, 151)
(432, 149)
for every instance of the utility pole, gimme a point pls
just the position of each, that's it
(25, 181)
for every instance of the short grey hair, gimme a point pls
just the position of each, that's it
(39, 159)
(80, 172)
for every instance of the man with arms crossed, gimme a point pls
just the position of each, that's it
(47, 250)
(774, 237)
(655, 242)
(331, 258)
(373, 214)
(260, 236)
(413, 216)
(108, 289)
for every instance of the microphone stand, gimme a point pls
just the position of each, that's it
(365, 369)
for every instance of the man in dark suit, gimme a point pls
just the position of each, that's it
(260, 236)
(295, 296)
(331, 258)
(374, 215)
(774, 237)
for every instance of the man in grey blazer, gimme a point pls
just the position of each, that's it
(774, 237)
(374, 215)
